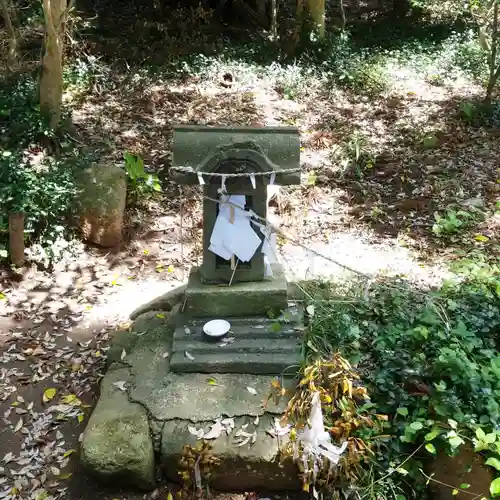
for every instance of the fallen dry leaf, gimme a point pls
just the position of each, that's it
(215, 431)
(49, 394)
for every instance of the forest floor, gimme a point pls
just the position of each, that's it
(376, 169)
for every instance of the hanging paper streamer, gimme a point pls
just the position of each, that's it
(201, 180)
(311, 258)
(232, 233)
(268, 248)
(222, 189)
(272, 179)
(314, 444)
(252, 180)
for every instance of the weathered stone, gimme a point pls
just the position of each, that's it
(122, 340)
(258, 345)
(240, 299)
(116, 444)
(205, 148)
(252, 466)
(101, 204)
(467, 467)
(191, 397)
(164, 302)
(242, 362)
(146, 329)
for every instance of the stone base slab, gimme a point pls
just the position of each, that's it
(145, 412)
(257, 298)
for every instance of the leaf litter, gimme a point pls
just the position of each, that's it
(45, 377)
(390, 195)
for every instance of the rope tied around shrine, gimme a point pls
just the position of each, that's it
(287, 237)
(368, 278)
(191, 170)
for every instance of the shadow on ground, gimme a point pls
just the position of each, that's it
(400, 160)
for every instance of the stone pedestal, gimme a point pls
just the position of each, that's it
(265, 337)
(254, 298)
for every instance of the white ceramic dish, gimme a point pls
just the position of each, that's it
(216, 328)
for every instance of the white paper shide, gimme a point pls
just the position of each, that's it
(233, 233)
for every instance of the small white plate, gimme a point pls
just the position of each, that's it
(216, 328)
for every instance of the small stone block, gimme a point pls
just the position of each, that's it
(240, 299)
(117, 445)
(242, 466)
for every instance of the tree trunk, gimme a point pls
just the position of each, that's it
(51, 79)
(342, 15)
(274, 19)
(317, 11)
(494, 70)
(299, 23)
(16, 238)
(491, 85)
(11, 33)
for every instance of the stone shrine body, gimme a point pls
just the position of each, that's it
(238, 279)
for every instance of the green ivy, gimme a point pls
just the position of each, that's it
(430, 360)
(44, 191)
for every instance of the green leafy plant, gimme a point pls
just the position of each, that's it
(141, 184)
(429, 360)
(430, 141)
(452, 222)
(44, 190)
(358, 156)
(469, 111)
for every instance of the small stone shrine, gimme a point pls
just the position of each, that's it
(238, 280)
(170, 383)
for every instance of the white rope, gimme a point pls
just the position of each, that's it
(295, 242)
(190, 170)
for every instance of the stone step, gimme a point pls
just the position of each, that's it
(243, 331)
(258, 345)
(269, 363)
(288, 324)
(245, 345)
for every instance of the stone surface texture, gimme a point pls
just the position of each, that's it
(241, 299)
(205, 148)
(117, 444)
(253, 345)
(191, 397)
(101, 204)
(164, 302)
(145, 409)
(156, 324)
(254, 464)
